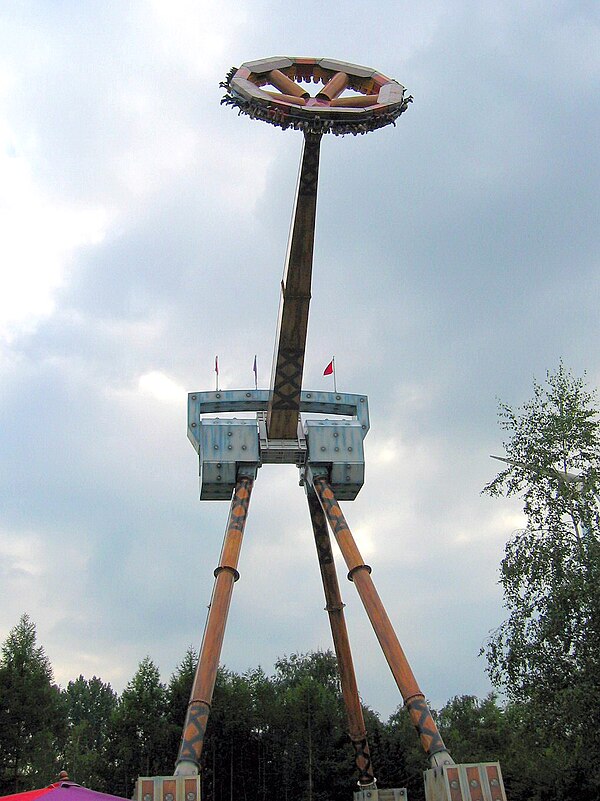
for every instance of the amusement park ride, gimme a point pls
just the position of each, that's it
(327, 451)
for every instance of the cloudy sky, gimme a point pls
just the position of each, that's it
(143, 229)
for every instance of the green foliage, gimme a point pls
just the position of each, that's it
(178, 696)
(284, 732)
(139, 734)
(231, 739)
(90, 706)
(398, 757)
(319, 666)
(279, 736)
(180, 687)
(472, 728)
(32, 716)
(315, 754)
(546, 655)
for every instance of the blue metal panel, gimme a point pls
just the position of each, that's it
(225, 446)
(337, 445)
(257, 400)
(238, 400)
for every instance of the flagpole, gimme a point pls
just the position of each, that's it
(331, 369)
(217, 373)
(255, 373)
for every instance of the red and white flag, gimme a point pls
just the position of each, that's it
(217, 373)
(255, 371)
(330, 370)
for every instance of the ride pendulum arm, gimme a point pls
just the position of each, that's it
(329, 452)
(282, 423)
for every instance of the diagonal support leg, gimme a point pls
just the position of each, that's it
(360, 574)
(226, 574)
(335, 609)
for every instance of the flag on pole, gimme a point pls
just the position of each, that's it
(330, 370)
(255, 371)
(217, 372)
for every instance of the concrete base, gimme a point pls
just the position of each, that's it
(167, 788)
(375, 794)
(473, 782)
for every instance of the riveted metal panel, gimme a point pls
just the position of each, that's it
(224, 447)
(393, 794)
(167, 788)
(453, 782)
(246, 400)
(496, 783)
(223, 455)
(145, 790)
(376, 794)
(480, 781)
(338, 446)
(217, 480)
(347, 480)
(367, 794)
(476, 789)
(334, 441)
(191, 789)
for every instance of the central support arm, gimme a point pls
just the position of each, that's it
(290, 343)
(192, 740)
(360, 574)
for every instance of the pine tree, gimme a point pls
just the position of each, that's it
(139, 730)
(90, 705)
(32, 715)
(178, 697)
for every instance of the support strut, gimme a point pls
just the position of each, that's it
(335, 608)
(226, 574)
(360, 574)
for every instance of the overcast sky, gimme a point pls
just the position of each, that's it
(142, 231)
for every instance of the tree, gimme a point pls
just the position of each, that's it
(472, 728)
(139, 730)
(546, 655)
(229, 758)
(180, 687)
(398, 757)
(90, 706)
(316, 755)
(281, 736)
(32, 717)
(178, 697)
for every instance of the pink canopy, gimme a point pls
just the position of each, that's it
(63, 791)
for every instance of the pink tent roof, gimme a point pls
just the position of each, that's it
(63, 791)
